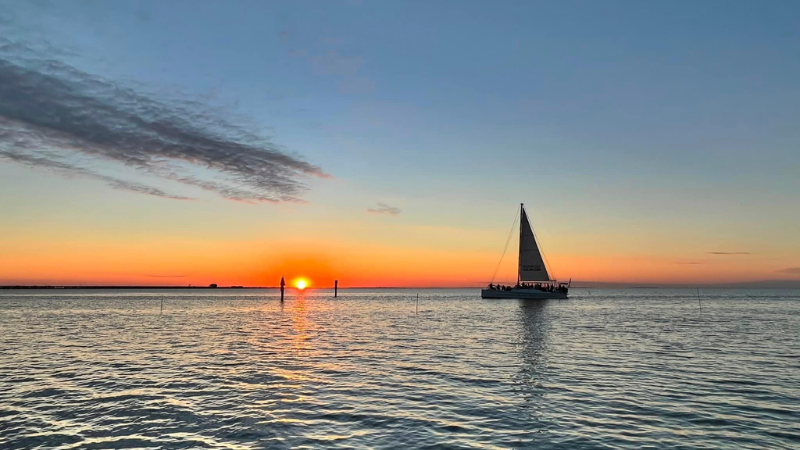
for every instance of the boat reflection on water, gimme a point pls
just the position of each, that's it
(534, 328)
(532, 375)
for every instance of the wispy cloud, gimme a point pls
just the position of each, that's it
(6, 17)
(52, 113)
(331, 62)
(67, 169)
(334, 63)
(143, 15)
(691, 263)
(383, 208)
(791, 270)
(729, 253)
(140, 274)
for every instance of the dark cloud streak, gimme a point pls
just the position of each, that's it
(47, 104)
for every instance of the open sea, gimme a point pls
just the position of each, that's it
(234, 369)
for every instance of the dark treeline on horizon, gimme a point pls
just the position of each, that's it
(136, 287)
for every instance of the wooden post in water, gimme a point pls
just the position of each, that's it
(698, 299)
(335, 288)
(283, 286)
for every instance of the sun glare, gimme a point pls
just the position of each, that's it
(301, 284)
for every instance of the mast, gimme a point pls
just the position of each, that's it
(519, 251)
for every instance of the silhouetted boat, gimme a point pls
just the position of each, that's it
(533, 280)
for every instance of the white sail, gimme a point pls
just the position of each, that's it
(531, 264)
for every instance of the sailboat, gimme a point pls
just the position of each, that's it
(533, 278)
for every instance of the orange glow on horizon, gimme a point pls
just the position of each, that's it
(179, 261)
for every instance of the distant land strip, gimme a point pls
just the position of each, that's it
(775, 284)
(137, 287)
(219, 287)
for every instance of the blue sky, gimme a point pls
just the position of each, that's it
(678, 118)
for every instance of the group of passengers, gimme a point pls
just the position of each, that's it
(500, 287)
(540, 286)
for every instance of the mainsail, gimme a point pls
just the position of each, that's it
(531, 264)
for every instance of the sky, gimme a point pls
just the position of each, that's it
(391, 143)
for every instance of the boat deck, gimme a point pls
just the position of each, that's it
(520, 293)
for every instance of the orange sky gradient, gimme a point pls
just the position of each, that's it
(262, 263)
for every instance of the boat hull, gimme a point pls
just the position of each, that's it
(522, 294)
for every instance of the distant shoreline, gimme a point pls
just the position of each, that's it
(137, 287)
(224, 287)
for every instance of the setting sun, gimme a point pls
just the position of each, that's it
(301, 284)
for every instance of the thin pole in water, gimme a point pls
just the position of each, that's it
(698, 299)
(416, 311)
(335, 288)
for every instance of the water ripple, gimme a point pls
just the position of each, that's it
(222, 369)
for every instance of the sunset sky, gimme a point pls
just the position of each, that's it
(390, 143)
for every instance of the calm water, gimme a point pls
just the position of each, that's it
(235, 369)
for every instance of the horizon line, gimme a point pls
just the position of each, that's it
(579, 284)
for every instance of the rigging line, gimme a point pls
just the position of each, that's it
(508, 239)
